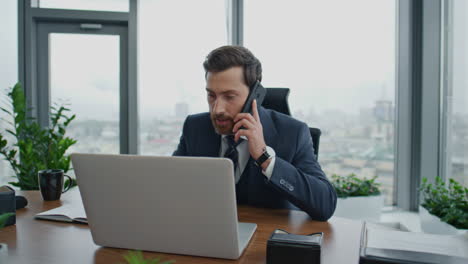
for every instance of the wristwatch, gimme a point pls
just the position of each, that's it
(264, 157)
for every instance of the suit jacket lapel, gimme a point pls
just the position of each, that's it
(269, 131)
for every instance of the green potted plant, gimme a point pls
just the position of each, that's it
(36, 147)
(3, 247)
(444, 207)
(357, 198)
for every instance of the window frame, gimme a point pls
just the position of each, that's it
(418, 145)
(29, 15)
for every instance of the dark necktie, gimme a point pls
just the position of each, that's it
(231, 151)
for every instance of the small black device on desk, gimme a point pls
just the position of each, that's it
(283, 247)
(8, 203)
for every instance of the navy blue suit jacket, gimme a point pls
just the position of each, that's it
(297, 180)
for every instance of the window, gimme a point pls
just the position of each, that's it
(89, 87)
(100, 5)
(338, 59)
(174, 38)
(456, 99)
(8, 70)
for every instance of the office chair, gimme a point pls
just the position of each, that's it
(277, 99)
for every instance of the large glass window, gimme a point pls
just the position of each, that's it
(457, 93)
(174, 38)
(338, 59)
(8, 70)
(99, 5)
(84, 75)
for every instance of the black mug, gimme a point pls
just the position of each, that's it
(51, 184)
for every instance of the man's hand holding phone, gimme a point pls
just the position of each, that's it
(251, 127)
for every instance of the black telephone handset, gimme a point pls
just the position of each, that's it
(256, 92)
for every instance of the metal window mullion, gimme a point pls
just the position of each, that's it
(132, 86)
(236, 22)
(408, 76)
(431, 92)
(123, 95)
(42, 81)
(426, 96)
(418, 97)
(26, 56)
(403, 104)
(21, 42)
(447, 92)
(416, 102)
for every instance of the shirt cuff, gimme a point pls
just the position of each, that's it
(269, 170)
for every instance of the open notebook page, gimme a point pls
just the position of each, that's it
(68, 212)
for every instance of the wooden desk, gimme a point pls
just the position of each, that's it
(38, 241)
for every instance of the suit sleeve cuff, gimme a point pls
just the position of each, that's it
(269, 170)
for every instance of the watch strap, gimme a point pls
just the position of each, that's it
(264, 157)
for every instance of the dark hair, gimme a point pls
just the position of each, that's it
(226, 57)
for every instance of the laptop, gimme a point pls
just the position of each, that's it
(178, 205)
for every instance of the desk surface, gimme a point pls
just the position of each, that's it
(39, 241)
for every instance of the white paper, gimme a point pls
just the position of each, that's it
(419, 242)
(71, 210)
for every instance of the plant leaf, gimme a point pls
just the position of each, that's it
(4, 217)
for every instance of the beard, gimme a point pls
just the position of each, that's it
(222, 124)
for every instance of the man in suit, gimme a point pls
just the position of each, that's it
(272, 153)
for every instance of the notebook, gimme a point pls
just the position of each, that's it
(393, 246)
(71, 212)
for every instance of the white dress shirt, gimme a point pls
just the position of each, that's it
(244, 155)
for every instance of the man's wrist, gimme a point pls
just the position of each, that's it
(264, 159)
(260, 153)
(266, 164)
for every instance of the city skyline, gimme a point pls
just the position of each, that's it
(350, 143)
(342, 142)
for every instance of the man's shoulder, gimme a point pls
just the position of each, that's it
(205, 116)
(197, 121)
(282, 121)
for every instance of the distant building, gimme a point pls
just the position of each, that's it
(382, 130)
(383, 111)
